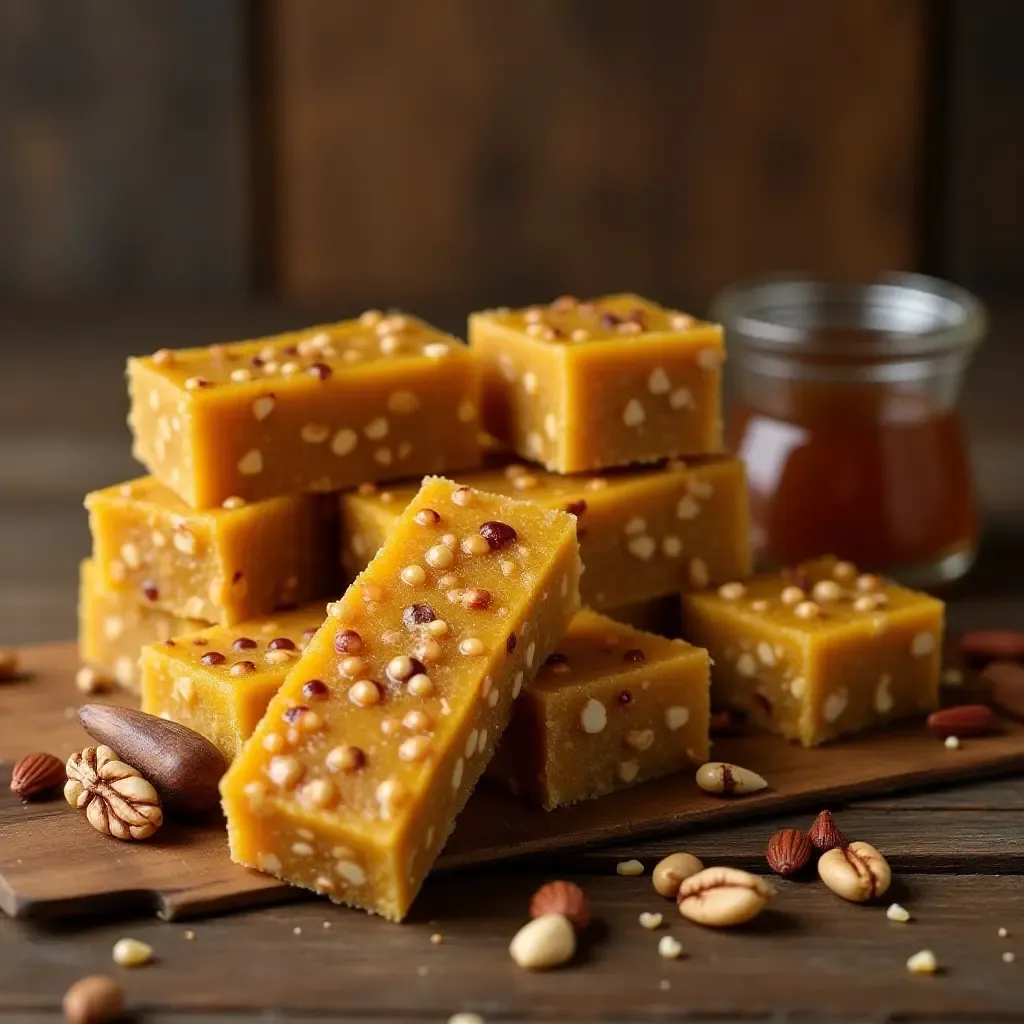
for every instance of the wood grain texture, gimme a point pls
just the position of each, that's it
(809, 957)
(185, 871)
(124, 169)
(982, 244)
(494, 153)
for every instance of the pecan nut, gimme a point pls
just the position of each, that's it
(116, 799)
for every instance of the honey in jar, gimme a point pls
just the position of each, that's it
(843, 407)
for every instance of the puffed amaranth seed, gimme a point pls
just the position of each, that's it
(721, 897)
(672, 871)
(857, 872)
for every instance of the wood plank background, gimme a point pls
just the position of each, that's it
(452, 154)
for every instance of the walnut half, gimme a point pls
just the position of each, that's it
(116, 799)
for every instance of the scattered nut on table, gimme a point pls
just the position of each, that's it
(9, 664)
(131, 953)
(36, 775)
(669, 948)
(825, 834)
(91, 680)
(723, 779)
(545, 942)
(670, 872)
(565, 898)
(650, 921)
(857, 873)
(116, 799)
(788, 851)
(720, 897)
(93, 1000)
(923, 962)
(894, 912)
(629, 867)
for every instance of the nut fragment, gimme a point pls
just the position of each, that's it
(629, 867)
(894, 912)
(825, 834)
(93, 1000)
(857, 873)
(788, 851)
(650, 921)
(725, 779)
(545, 942)
(116, 799)
(720, 897)
(962, 720)
(669, 948)
(672, 871)
(131, 953)
(563, 898)
(924, 962)
(8, 664)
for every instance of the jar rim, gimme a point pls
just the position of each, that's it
(897, 316)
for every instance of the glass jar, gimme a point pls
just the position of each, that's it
(843, 407)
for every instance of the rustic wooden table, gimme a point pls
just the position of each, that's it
(958, 853)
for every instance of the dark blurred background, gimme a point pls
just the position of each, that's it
(177, 172)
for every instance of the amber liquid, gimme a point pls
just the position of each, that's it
(876, 477)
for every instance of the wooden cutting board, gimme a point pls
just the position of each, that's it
(54, 864)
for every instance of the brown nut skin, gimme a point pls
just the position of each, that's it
(1005, 680)
(93, 1000)
(565, 898)
(961, 720)
(183, 766)
(36, 776)
(825, 834)
(672, 871)
(722, 897)
(788, 851)
(857, 872)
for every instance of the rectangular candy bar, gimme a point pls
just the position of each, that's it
(400, 698)
(219, 680)
(113, 629)
(819, 651)
(643, 533)
(585, 385)
(223, 565)
(611, 707)
(316, 410)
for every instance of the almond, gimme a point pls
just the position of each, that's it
(93, 1000)
(962, 720)
(1005, 680)
(788, 851)
(825, 834)
(992, 645)
(565, 898)
(36, 775)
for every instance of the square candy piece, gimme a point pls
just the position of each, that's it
(222, 565)
(819, 651)
(219, 680)
(415, 670)
(612, 706)
(113, 629)
(316, 410)
(586, 385)
(643, 533)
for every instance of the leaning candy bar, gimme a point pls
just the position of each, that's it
(610, 707)
(221, 565)
(317, 410)
(643, 533)
(352, 781)
(586, 385)
(819, 651)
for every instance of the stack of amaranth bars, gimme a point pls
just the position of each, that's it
(357, 739)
